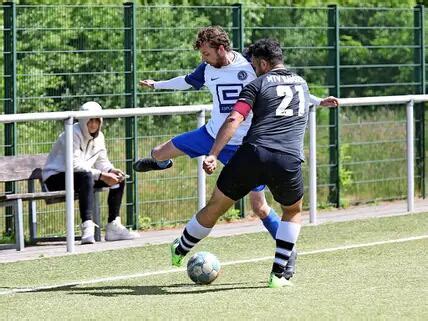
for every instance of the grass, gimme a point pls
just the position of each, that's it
(387, 281)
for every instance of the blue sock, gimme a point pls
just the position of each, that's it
(271, 222)
(163, 164)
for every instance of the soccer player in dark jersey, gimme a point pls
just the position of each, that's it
(271, 154)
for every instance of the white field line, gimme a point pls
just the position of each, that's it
(142, 275)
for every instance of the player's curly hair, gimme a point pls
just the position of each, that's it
(267, 49)
(215, 36)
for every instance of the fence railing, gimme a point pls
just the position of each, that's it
(68, 118)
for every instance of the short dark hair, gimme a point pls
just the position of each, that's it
(267, 49)
(215, 36)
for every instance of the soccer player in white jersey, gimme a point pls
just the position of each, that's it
(225, 72)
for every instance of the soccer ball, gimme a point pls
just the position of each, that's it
(203, 268)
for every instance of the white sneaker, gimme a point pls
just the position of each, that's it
(116, 231)
(88, 231)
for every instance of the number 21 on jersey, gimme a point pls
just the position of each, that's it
(287, 93)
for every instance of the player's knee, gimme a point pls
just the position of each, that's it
(260, 209)
(292, 212)
(259, 205)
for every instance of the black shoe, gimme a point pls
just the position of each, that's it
(290, 268)
(149, 164)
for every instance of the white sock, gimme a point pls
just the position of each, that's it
(286, 236)
(192, 234)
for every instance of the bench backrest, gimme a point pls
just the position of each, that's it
(21, 168)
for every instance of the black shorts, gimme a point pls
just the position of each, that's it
(255, 165)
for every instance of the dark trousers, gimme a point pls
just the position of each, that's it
(84, 185)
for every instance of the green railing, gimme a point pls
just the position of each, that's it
(55, 57)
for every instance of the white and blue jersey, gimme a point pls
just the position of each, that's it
(225, 85)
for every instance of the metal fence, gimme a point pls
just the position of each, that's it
(55, 57)
(69, 117)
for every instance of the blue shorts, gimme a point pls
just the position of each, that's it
(198, 143)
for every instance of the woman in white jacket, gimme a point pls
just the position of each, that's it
(92, 169)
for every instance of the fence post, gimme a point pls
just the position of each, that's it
(410, 157)
(312, 164)
(202, 190)
(69, 183)
(9, 60)
(419, 58)
(334, 79)
(238, 27)
(131, 122)
(238, 44)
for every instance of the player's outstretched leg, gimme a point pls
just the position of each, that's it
(192, 234)
(150, 164)
(160, 158)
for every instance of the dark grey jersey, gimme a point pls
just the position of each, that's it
(280, 103)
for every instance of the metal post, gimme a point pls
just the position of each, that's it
(419, 58)
(238, 27)
(410, 158)
(32, 213)
(97, 217)
(312, 166)
(238, 44)
(69, 183)
(131, 122)
(201, 173)
(19, 226)
(334, 79)
(9, 56)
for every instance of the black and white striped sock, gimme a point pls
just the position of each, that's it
(192, 234)
(286, 237)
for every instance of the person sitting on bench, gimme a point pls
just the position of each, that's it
(92, 169)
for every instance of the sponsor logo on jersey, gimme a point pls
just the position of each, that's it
(242, 75)
(227, 96)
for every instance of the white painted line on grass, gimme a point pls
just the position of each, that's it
(141, 275)
(333, 249)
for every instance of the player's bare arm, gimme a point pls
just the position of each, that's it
(225, 133)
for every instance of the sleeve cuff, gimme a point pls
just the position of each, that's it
(314, 100)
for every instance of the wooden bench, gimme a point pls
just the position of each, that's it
(29, 168)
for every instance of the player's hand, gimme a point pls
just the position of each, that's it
(110, 178)
(148, 83)
(210, 164)
(330, 101)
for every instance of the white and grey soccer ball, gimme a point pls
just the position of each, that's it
(203, 268)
